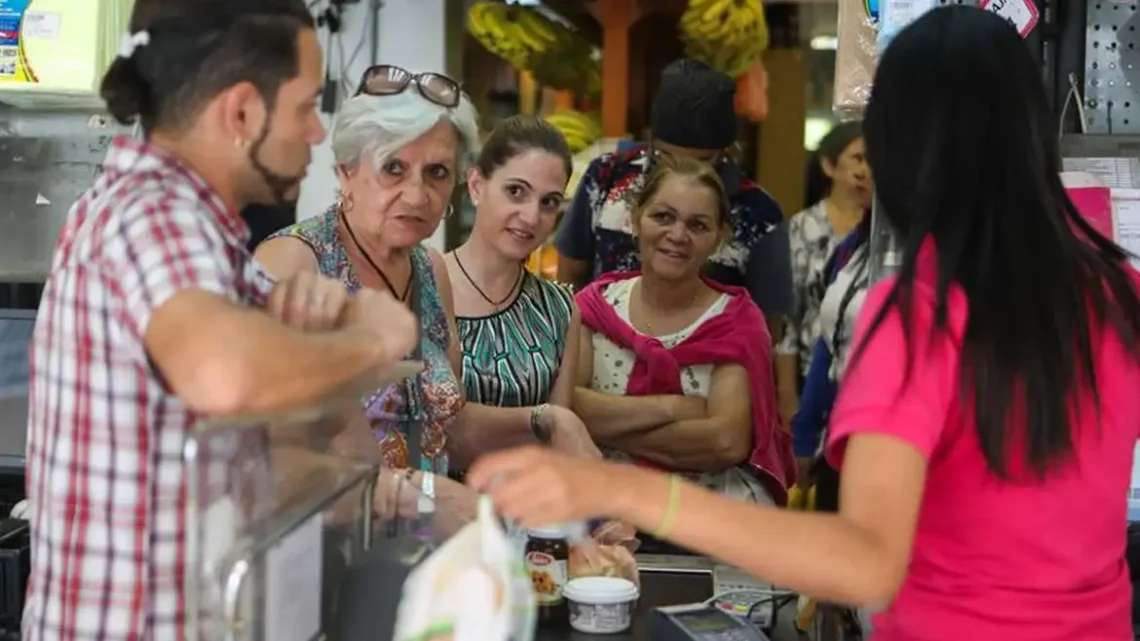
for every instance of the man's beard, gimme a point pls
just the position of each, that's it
(279, 184)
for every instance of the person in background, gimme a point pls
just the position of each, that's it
(848, 277)
(401, 144)
(265, 220)
(842, 197)
(154, 317)
(693, 116)
(988, 414)
(518, 333)
(675, 369)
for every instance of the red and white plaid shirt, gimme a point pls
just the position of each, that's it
(106, 479)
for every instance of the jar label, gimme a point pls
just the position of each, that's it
(548, 575)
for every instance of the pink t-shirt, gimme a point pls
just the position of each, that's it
(994, 560)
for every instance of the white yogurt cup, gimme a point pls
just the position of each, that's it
(601, 604)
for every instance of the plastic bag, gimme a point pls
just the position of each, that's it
(752, 93)
(855, 58)
(475, 587)
(608, 552)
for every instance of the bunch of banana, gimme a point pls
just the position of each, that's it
(573, 70)
(580, 129)
(556, 55)
(728, 35)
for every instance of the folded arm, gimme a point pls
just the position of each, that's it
(609, 417)
(721, 438)
(218, 355)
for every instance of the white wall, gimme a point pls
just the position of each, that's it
(411, 34)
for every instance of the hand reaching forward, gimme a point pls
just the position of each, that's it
(538, 486)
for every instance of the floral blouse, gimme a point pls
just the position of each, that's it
(812, 243)
(424, 404)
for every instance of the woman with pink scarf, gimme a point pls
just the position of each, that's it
(675, 370)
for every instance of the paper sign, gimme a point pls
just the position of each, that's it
(1022, 14)
(1115, 173)
(293, 584)
(41, 24)
(1126, 205)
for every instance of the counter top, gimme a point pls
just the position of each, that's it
(660, 588)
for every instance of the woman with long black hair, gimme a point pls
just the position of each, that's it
(988, 415)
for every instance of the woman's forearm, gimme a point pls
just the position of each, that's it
(610, 417)
(822, 555)
(484, 428)
(698, 445)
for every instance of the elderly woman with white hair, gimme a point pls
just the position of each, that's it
(402, 144)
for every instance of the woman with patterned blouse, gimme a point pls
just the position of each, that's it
(513, 325)
(839, 182)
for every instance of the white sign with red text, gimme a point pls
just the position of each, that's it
(1022, 14)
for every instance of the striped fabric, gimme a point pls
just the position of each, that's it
(511, 358)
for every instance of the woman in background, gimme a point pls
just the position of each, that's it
(518, 333)
(675, 369)
(848, 274)
(840, 192)
(989, 412)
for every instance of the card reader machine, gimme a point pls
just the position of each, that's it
(700, 622)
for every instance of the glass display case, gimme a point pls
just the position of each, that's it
(279, 507)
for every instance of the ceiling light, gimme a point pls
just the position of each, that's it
(824, 43)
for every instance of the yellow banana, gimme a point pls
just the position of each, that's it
(715, 11)
(538, 26)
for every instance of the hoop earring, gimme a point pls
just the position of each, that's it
(449, 211)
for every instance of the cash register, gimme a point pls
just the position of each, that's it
(701, 622)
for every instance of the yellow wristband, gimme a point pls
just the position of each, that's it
(666, 526)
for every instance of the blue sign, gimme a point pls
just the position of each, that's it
(872, 9)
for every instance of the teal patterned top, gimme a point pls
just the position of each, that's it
(511, 358)
(428, 402)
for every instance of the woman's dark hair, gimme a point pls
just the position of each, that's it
(964, 150)
(817, 185)
(517, 135)
(196, 50)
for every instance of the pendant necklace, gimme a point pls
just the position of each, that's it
(497, 305)
(359, 248)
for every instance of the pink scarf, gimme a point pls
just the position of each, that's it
(738, 335)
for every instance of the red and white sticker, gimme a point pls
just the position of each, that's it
(1022, 14)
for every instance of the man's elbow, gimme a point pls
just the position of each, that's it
(218, 386)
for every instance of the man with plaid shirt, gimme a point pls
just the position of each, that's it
(155, 316)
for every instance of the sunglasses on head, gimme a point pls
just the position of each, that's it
(389, 80)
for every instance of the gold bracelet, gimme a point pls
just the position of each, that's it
(666, 527)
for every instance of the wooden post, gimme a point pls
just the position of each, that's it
(564, 100)
(781, 154)
(617, 17)
(528, 94)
